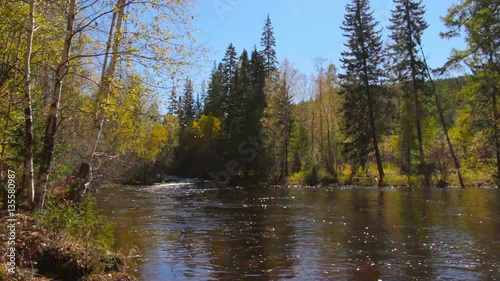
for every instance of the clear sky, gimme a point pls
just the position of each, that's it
(304, 29)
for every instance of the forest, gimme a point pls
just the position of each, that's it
(103, 92)
(93, 93)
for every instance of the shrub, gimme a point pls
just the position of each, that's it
(80, 238)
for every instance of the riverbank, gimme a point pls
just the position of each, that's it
(472, 178)
(64, 242)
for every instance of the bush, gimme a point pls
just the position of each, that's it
(80, 238)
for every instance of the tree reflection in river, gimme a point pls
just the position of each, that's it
(299, 233)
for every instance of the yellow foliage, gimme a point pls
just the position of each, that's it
(207, 127)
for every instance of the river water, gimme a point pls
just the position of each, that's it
(183, 232)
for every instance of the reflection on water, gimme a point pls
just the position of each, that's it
(299, 233)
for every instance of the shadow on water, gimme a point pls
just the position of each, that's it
(184, 232)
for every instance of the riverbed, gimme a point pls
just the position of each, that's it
(180, 231)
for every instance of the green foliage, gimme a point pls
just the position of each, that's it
(268, 42)
(361, 82)
(409, 70)
(80, 223)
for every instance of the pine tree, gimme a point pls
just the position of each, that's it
(173, 102)
(251, 83)
(214, 101)
(187, 104)
(268, 42)
(278, 118)
(408, 25)
(202, 98)
(239, 101)
(230, 67)
(198, 107)
(361, 82)
(256, 99)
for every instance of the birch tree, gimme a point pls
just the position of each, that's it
(102, 98)
(28, 117)
(154, 36)
(53, 114)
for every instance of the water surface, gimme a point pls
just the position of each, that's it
(300, 233)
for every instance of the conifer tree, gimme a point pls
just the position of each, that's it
(173, 103)
(268, 42)
(362, 61)
(239, 101)
(187, 112)
(278, 118)
(214, 100)
(256, 99)
(408, 25)
(230, 66)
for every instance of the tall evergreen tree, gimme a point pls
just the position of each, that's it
(187, 104)
(239, 101)
(257, 96)
(361, 82)
(230, 67)
(173, 102)
(202, 98)
(268, 42)
(215, 93)
(278, 118)
(408, 25)
(198, 107)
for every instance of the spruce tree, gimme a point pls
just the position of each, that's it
(173, 103)
(187, 112)
(240, 100)
(255, 103)
(362, 62)
(268, 42)
(257, 96)
(230, 67)
(214, 100)
(408, 25)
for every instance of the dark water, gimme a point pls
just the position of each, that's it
(295, 233)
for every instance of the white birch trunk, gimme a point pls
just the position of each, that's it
(28, 147)
(52, 118)
(102, 98)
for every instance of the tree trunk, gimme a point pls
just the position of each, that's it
(4, 139)
(442, 120)
(28, 118)
(52, 118)
(496, 129)
(417, 103)
(373, 130)
(84, 175)
(371, 111)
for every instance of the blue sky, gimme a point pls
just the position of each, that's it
(304, 29)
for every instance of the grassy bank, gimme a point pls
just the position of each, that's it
(366, 177)
(63, 242)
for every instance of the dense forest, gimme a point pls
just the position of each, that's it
(382, 113)
(98, 92)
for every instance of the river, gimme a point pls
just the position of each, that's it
(302, 233)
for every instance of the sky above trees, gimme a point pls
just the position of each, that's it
(305, 30)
